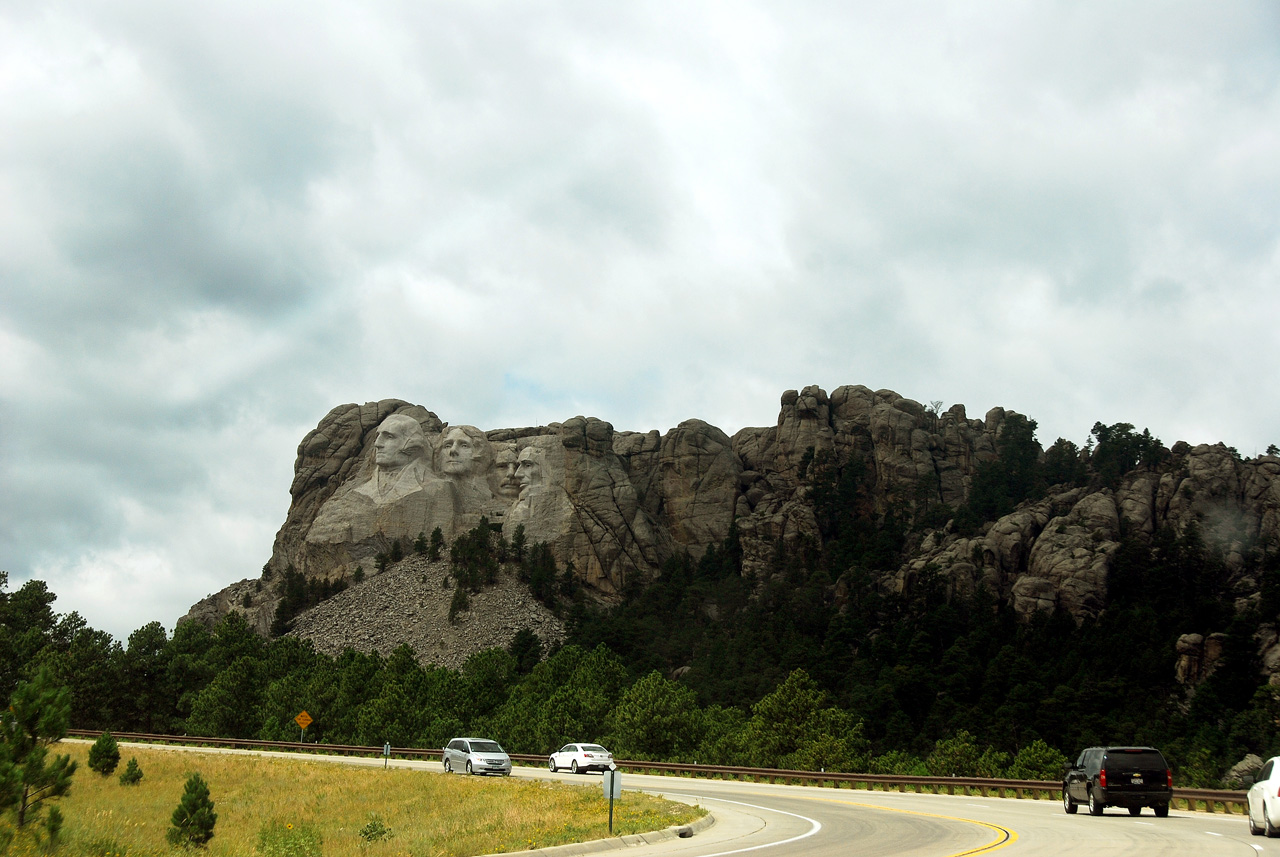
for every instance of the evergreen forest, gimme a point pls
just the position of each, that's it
(812, 665)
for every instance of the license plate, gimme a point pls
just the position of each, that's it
(1137, 781)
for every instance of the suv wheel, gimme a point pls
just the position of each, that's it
(1135, 810)
(1095, 806)
(1068, 805)
(469, 771)
(1161, 810)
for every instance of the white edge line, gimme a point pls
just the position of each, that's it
(816, 826)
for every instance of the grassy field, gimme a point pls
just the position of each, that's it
(278, 807)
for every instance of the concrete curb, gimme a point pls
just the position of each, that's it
(595, 846)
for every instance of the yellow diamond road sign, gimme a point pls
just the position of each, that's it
(303, 720)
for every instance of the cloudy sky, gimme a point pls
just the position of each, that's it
(220, 220)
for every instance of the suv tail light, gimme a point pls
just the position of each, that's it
(1169, 776)
(1102, 778)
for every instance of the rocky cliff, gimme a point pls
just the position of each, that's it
(613, 505)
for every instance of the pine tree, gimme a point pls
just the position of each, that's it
(194, 818)
(132, 773)
(37, 717)
(104, 755)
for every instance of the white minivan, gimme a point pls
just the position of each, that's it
(475, 756)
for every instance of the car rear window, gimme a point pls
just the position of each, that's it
(485, 747)
(1150, 759)
(594, 748)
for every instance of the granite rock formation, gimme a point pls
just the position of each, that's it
(614, 505)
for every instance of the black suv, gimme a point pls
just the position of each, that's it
(1131, 777)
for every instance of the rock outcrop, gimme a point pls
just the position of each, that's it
(614, 505)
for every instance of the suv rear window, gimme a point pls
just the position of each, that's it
(1145, 759)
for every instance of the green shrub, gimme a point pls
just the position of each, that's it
(194, 818)
(53, 826)
(104, 755)
(288, 840)
(375, 829)
(132, 773)
(460, 603)
(1037, 761)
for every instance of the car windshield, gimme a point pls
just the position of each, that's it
(485, 747)
(593, 748)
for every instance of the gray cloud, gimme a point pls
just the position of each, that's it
(222, 221)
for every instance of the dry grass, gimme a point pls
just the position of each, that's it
(430, 814)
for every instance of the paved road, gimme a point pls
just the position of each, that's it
(870, 824)
(805, 821)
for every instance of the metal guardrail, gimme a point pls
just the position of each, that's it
(1192, 799)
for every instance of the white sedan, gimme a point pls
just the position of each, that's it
(581, 757)
(1264, 800)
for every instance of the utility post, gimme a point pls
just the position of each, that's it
(612, 788)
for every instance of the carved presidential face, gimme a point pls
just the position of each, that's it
(505, 464)
(529, 468)
(461, 452)
(399, 439)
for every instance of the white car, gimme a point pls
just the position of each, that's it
(581, 757)
(1264, 800)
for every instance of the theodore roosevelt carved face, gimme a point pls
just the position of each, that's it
(506, 480)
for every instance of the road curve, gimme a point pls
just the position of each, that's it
(880, 824)
(807, 821)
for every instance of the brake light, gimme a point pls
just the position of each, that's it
(1102, 778)
(1169, 776)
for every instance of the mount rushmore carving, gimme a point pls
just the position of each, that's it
(614, 505)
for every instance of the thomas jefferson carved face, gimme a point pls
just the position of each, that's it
(463, 451)
(399, 439)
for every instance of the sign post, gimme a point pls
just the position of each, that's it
(303, 720)
(612, 788)
(386, 754)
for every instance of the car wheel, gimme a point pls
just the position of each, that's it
(1254, 829)
(469, 771)
(573, 766)
(1267, 827)
(1161, 810)
(551, 763)
(448, 769)
(1095, 806)
(1068, 805)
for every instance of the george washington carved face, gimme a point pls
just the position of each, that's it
(400, 439)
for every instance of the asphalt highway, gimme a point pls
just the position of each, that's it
(806, 821)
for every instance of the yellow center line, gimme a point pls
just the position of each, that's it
(1004, 836)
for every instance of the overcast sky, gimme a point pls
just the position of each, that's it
(220, 220)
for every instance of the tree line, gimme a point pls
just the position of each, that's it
(813, 665)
